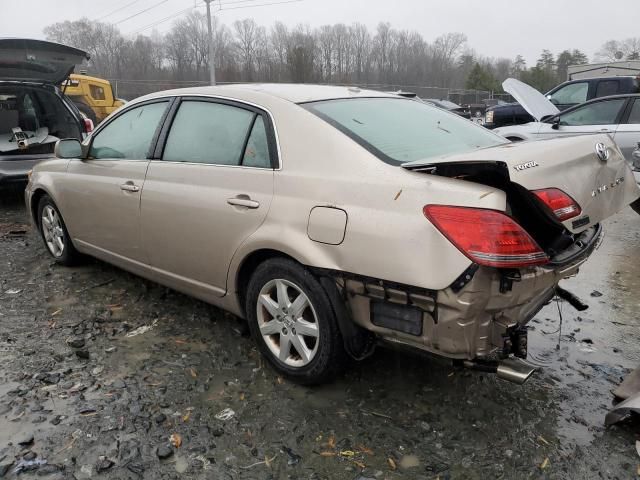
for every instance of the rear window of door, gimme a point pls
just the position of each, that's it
(217, 134)
(607, 87)
(600, 113)
(570, 94)
(130, 134)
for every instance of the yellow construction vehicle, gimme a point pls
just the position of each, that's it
(93, 96)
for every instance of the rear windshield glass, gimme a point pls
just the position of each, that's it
(401, 130)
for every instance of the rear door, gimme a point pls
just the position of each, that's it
(101, 194)
(628, 133)
(209, 188)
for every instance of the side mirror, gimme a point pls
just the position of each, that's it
(556, 123)
(68, 148)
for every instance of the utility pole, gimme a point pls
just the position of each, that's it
(212, 68)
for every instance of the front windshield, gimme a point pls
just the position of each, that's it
(400, 131)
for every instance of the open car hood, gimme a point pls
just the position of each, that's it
(531, 100)
(37, 61)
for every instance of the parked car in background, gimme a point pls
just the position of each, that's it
(332, 218)
(617, 116)
(464, 112)
(93, 96)
(33, 112)
(563, 96)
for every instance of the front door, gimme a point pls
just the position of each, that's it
(598, 117)
(210, 191)
(628, 134)
(101, 194)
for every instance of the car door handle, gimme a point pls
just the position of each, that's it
(243, 202)
(129, 187)
(605, 130)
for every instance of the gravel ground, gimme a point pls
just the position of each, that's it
(105, 375)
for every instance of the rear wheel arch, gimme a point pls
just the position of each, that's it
(249, 265)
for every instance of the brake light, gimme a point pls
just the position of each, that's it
(88, 125)
(563, 206)
(487, 237)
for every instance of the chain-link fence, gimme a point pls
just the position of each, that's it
(130, 89)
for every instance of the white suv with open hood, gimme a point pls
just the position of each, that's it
(34, 113)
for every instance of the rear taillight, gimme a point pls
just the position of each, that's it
(562, 205)
(88, 125)
(487, 237)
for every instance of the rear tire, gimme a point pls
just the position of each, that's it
(54, 233)
(292, 320)
(636, 206)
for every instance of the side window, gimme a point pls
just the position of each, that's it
(634, 116)
(257, 152)
(130, 134)
(607, 87)
(207, 132)
(600, 113)
(96, 92)
(570, 94)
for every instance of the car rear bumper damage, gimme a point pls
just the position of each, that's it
(482, 313)
(17, 170)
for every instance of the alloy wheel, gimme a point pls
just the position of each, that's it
(288, 322)
(52, 231)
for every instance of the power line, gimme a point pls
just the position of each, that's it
(116, 10)
(169, 17)
(221, 7)
(260, 5)
(140, 12)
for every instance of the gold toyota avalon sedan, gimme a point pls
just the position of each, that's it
(334, 219)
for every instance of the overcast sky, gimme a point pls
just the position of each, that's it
(497, 28)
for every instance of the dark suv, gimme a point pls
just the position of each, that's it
(34, 113)
(563, 96)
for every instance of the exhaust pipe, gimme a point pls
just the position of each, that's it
(515, 370)
(512, 369)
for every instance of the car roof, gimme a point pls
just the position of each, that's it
(295, 93)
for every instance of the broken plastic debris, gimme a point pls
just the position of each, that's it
(175, 439)
(142, 329)
(225, 414)
(13, 291)
(25, 465)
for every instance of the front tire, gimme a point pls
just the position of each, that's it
(54, 233)
(292, 321)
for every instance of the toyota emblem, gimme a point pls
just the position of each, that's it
(602, 152)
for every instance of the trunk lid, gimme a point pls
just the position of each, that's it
(571, 164)
(37, 61)
(531, 100)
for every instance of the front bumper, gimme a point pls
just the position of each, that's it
(461, 322)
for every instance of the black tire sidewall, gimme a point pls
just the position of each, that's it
(69, 255)
(329, 358)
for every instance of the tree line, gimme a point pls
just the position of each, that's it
(344, 54)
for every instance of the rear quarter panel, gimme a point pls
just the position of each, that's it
(387, 235)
